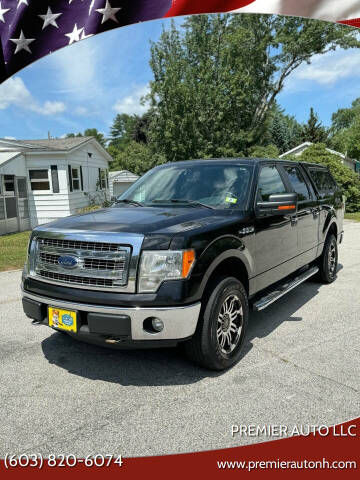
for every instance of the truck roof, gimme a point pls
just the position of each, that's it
(249, 161)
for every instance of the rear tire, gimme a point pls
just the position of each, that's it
(222, 326)
(329, 260)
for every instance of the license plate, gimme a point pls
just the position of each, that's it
(62, 319)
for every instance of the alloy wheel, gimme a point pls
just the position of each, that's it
(229, 324)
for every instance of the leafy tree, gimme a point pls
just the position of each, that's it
(313, 131)
(90, 132)
(345, 130)
(72, 135)
(271, 151)
(345, 177)
(121, 130)
(93, 132)
(215, 82)
(345, 117)
(137, 158)
(127, 128)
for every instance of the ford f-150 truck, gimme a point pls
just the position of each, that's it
(184, 254)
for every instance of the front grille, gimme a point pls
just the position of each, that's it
(88, 263)
(95, 282)
(95, 265)
(76, 244)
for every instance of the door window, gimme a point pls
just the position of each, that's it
(323, 180)
(298, 183)
(270, 182)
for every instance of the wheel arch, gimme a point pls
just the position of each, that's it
(228, 264)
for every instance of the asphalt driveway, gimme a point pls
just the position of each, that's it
(301, 365)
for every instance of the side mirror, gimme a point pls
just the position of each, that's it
(278, 204)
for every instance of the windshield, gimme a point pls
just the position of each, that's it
(219, 186)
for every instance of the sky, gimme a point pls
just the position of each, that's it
(86, 84)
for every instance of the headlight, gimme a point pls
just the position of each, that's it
(159, 265)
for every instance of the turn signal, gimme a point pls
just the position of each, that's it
(188, 260)
(286, 207)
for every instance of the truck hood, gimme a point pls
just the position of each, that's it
(144, 220)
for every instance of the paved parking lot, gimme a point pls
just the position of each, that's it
(300, 366)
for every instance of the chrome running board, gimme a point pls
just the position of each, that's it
(283, 289)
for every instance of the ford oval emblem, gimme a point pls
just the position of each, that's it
(67, 261)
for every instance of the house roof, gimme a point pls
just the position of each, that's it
(53, 144)
(306, 145)
(122, 176)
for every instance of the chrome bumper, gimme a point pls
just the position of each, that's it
(179, 322)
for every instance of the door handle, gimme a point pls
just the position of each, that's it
(315, 212)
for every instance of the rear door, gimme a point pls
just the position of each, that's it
(330, 200)
(307, 214)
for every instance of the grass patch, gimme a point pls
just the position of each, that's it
(353, 216)
(13, 251)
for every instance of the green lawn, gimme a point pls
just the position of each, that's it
(353, 216)
(13, 251)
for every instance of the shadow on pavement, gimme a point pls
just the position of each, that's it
(162, 367)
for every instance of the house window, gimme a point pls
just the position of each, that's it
(9, 185)
(75, 175)
(39, 180)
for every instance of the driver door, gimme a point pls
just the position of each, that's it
(275, 236)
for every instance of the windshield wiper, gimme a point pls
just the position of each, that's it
(189, 202)
(130, 202)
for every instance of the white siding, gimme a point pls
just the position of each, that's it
(46, 207)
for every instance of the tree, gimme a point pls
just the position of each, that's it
(93, 132)
(344, 176)
(313, 131)
(345, 130)
(271, 151)
(215, 82)
(345, 117)
(127, 128)
(137, 158)
(90, 132)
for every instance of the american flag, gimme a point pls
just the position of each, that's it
(31, 29)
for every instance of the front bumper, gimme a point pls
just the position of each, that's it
(179, 322)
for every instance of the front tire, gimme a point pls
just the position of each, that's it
(222, 326)
(328, 261)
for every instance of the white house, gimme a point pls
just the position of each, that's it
(120, 181)
(349, 162)
(43, 180)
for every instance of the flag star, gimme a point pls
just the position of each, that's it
(22, 43)
(108, 13)
(83, 36)
(74, 36)
(50, 18)
(2, 13)
(20, 2)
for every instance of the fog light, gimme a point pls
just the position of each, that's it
(157, 324)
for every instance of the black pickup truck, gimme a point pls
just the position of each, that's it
(184, 254)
